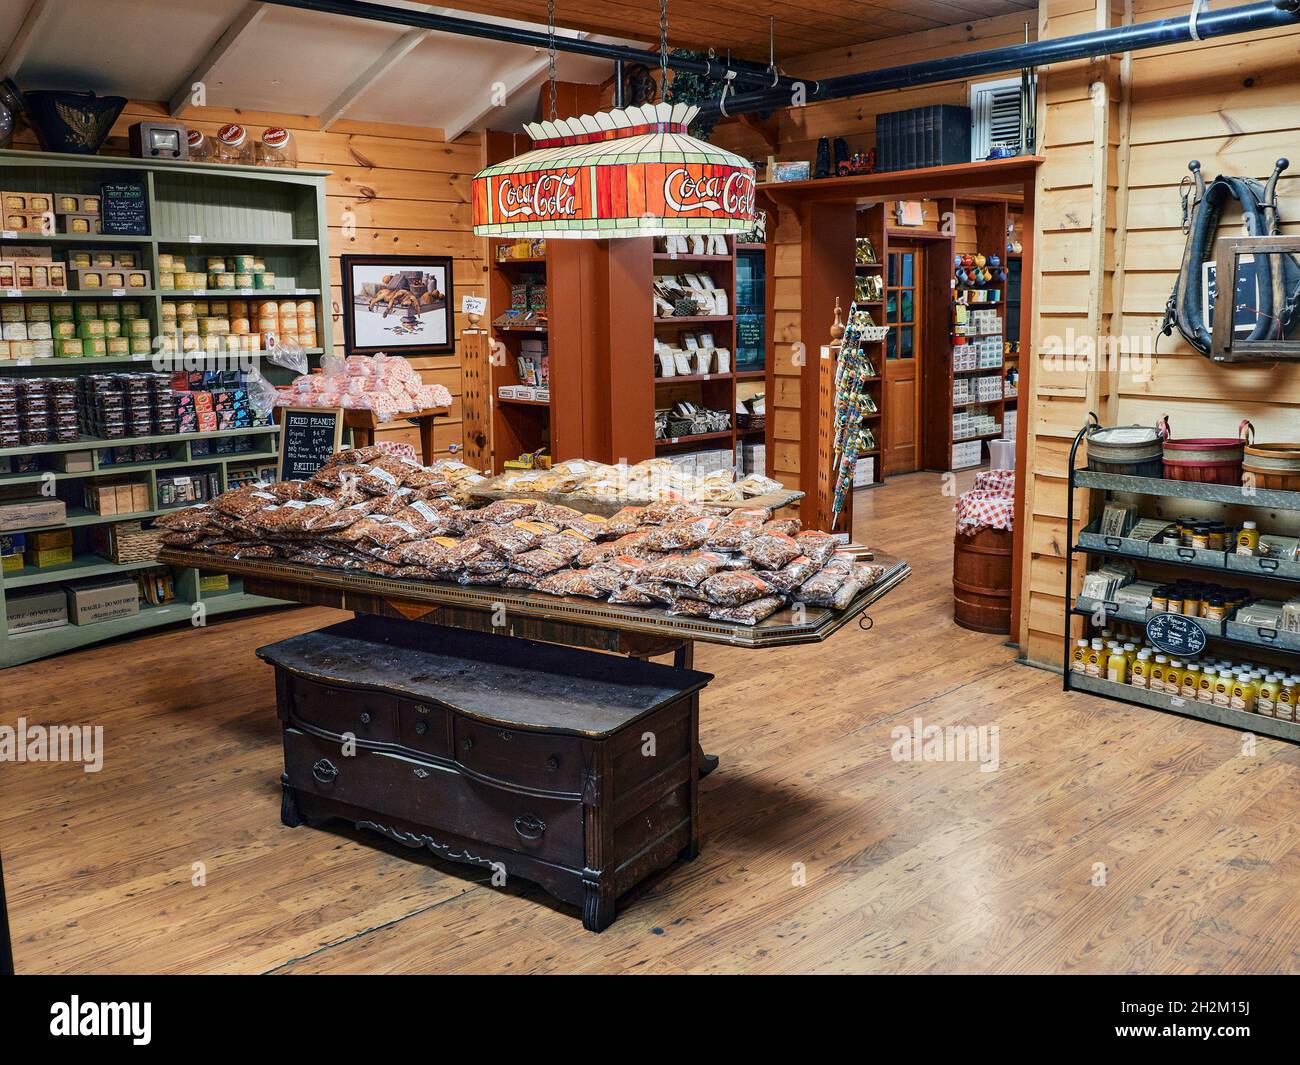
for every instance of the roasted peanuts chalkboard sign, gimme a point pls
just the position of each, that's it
(1176, 635)
(308, 437)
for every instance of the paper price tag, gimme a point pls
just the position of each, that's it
(119, 292)
(473, 304)
(196, 238)
(14, 293)
(9, 234)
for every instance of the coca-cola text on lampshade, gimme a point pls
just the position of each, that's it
(630, 172)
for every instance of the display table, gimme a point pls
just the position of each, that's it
(436, 618)
(527, 759)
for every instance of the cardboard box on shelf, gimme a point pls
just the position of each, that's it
(36, 610)
(91, 603)
(73, 461)
(54, 556)
(12, 563)
(38, 510)
(49, 539)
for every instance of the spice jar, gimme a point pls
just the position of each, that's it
(1160, 599)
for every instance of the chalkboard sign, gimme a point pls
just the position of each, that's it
(123, 209)
(308, 437)
(749, 339)
(1176, 635)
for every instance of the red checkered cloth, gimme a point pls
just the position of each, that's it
(998, 482)
(991, 504)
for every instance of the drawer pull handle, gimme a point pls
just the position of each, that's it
(325, 771)
(467, 744)
(552, 764)
(530, 827)
(421, 727)
(365, 717)
(506, 736)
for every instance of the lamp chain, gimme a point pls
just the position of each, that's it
(550, 53)
(663, 50)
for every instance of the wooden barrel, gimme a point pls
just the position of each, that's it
(981, 581)
(1274, 466)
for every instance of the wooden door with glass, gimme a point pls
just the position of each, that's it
(904, 287)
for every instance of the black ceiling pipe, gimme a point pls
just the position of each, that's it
(1276, 14)
(755, 73)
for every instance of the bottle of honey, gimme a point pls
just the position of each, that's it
(1269, 690)
(1096, 653)
(1223, 687)
(1158, 668)
(1079, 660)
(1243, 693)
(1173, 677)
(1117, 665)
(1141, 675)
(1205, 685)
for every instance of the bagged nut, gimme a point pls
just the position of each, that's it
(187, 518)
(681, 535)
(832, 586)
(504, 511)
(692, 569)
(538, 562)
(785, 526)
(786, 579)
(750, 613)
(731, 589)
(625, 521)
(771, 550)
(817, 545)
(590, 583)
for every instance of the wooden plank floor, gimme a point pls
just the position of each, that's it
(173, 858)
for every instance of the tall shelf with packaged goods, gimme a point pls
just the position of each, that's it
(1261, 577)
(979, 322)
(195, 211)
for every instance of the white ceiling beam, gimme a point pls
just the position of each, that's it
(242, 26)
(26, 36)
(522, 78)
(395, 53)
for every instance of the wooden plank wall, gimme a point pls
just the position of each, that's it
(393, 189)
(1228, 103)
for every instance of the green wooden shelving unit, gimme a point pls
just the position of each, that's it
(194, 209)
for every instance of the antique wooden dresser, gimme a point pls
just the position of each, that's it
(571, 769)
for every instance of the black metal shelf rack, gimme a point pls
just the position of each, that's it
(1159, 487)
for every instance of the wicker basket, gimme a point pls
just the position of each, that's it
(126, 541)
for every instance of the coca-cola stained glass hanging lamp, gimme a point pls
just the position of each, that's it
(628, 172)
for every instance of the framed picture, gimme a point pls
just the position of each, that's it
(401, 304)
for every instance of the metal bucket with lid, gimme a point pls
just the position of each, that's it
(1129, 450)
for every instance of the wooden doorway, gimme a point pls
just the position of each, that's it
(904, 296)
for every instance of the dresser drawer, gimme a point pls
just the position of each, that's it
(434, 797)
(423, 727)
(533, 759)
(367, 715)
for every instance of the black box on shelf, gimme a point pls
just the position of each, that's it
(937, 135)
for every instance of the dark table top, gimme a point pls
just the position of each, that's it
(503, 680)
